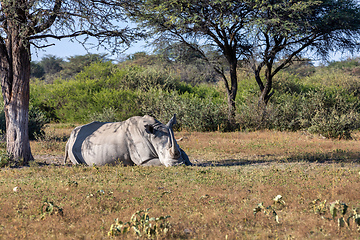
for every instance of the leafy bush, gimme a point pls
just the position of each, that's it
(145, 78)
(201, 91)
(286, 83)
(250, 117)
(193, 113)
(335, 123)
(331, 112)
(100, 86)
(325, 102)
(5, 159)
(287, 113)
(107, 115)
(76, 100)
(37, 121)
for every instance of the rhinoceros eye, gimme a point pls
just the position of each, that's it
(149, 129)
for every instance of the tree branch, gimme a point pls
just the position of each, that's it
(51, 19)
(288, 60)
(44, 46)
(80, 33)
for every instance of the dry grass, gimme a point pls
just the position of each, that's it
(213, 200)
(267, 146)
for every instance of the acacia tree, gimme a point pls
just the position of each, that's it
(220, 23)
(284, 30)
(268, 34)
(25, 22)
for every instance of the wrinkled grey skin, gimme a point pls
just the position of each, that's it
(136, 141)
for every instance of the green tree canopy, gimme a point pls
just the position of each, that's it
(267, 34)
(51, 64)
(219, 23)
(76, 64)
(284, 31)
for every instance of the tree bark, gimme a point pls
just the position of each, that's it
(232, 91)
(15, 74)
(266, 92)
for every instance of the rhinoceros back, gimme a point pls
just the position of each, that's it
(99, 143)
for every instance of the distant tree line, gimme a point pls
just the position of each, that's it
(51, 66)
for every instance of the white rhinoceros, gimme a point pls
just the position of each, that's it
(136, 141)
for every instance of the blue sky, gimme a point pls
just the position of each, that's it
(65, 48)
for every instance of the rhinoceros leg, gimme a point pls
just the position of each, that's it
(152, 162)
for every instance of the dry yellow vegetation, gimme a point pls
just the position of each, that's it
(215, 199)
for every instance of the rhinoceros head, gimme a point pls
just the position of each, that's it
(162, 139)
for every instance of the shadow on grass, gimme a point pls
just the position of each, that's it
(330, 157)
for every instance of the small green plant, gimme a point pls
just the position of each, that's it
(49, 208)
(318, 206)
(338, 211)
(355, 215)
(279, 203)
(142, 225)
(5, 159)
(37, 121)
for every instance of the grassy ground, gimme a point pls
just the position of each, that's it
(215, 199)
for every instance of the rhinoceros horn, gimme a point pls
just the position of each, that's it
(172, 146)
(174, 151)
(171, 122)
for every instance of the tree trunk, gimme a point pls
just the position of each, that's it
(15, 73)
(266, 94)
(232, 91)
(265, 91)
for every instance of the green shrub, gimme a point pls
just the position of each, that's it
(287, 113)
(193, 113)
(106, 115)
(201, 91)
(325, 102)
(334, 123)
(76, 101)
(37, 121)
(331, 112)
(286, 83)
(5, 159)
(145, 78)
(250, 117)
(100, 86)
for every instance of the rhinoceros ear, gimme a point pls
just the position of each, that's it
(171, 122)
(149, 128)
